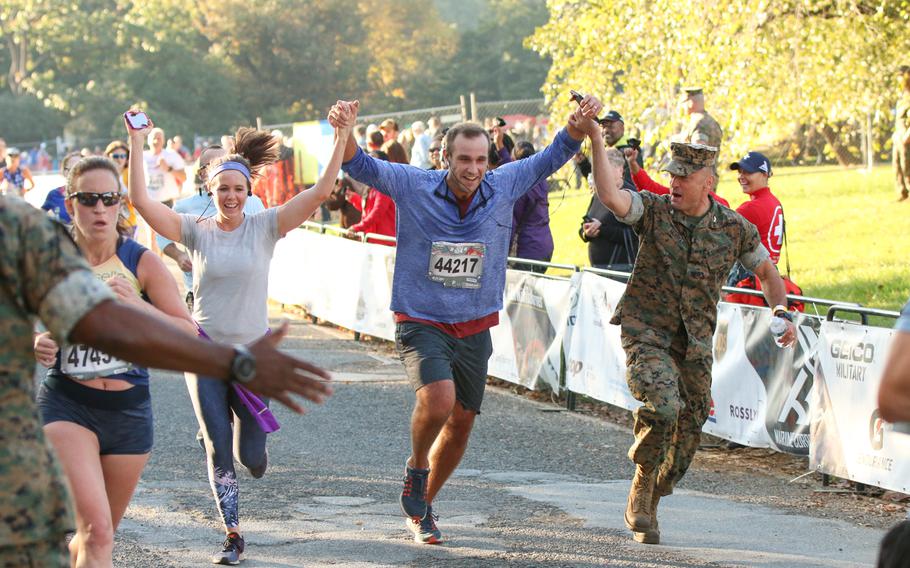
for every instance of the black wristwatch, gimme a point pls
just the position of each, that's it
(243, 367)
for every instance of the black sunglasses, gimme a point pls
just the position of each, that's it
(435, 149)
(118, 156)
(109, 198)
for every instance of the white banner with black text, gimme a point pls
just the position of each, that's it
(849, 438)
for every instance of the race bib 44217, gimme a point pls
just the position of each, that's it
(84, 362)
(457, 265)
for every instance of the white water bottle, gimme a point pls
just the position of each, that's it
(778, 329)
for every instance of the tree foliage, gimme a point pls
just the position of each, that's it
(768, 67)
(209, 65)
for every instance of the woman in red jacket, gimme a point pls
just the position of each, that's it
(378, 212)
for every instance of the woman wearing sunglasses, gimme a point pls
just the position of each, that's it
(231, 252)
(95, 408)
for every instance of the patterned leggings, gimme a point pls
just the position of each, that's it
(229, 430)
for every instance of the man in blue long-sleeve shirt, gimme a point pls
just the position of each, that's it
(453, 230)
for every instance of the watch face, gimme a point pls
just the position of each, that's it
(244, 368)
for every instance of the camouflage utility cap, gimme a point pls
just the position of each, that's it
(689, 158)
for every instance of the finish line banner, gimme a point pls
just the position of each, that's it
(849, 438)
(527, 342)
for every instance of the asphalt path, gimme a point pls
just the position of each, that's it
(537, 487)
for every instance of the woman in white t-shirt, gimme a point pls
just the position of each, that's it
(231, 252)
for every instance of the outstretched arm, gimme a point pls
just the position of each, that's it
(605, 183)
(134, 335)
(293, 213)
(164, 220)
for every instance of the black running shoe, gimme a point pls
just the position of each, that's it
(414, 495)
(231, 550)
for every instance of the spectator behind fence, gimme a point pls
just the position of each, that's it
(614, 131)
(762, 210)
(612, 245)
(420, 149)
(378, 209)
(389, 129)
(531, 237)
(346, 199)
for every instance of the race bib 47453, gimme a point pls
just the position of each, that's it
(83, 362)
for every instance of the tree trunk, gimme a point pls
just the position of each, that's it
(844, 157)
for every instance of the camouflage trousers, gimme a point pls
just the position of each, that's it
(901, 161)
(675, 395)
(42, 554)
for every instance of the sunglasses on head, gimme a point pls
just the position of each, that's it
(118, 156)
(109, 198)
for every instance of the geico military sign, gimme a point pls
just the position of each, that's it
(849, 439)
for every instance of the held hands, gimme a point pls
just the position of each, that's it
(279, 375)
(343, 115)
(45, 349)
(137, 134)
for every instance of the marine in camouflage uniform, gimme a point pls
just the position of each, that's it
(42, 275)
(688, 242)
(684, 261)
(901, 139)
(702, 128)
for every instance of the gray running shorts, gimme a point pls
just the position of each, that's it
(430, 354)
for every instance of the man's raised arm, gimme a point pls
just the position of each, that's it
(607, 186)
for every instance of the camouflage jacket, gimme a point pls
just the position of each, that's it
(682, 264)
(703, 129)
(41, 274)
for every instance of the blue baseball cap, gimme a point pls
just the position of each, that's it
(753, 162)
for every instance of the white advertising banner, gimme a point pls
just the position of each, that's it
(595, 360)
(849, 438)
(355, 294)
(527, 342)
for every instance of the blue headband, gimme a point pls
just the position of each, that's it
(235, 166)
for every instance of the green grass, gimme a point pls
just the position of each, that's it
(848, 236)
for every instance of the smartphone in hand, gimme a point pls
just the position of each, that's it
(136, 120)
(576, 96)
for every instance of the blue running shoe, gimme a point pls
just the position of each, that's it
(424, 530)
(414, 496)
